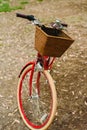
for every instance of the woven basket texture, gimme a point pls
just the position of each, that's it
(51, 42)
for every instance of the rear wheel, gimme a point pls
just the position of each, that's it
(37, 109)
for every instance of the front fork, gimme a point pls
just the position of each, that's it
(37, 69)
(45, 61)
(34, 67)
(38, 66)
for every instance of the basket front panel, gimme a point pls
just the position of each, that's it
(53, 46)
(56, 47)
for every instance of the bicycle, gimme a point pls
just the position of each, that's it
(36, 94)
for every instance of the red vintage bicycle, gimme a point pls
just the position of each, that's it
(36, 94)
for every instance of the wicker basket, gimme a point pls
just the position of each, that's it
(51, 42)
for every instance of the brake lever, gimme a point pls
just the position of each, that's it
(59, 25)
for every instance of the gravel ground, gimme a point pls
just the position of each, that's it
(69, 71)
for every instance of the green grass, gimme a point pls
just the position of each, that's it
(6, 7)
(24, 2)
(40, 0)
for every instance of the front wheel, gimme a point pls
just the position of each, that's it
(38, 109)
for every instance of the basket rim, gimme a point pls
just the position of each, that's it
(68, 38)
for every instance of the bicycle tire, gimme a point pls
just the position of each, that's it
(27, 115)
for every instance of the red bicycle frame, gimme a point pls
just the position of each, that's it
(46, 63)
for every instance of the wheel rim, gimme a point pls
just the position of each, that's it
(23, 101)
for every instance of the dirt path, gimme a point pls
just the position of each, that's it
(17, 48)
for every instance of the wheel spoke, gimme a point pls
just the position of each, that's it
(36, 109)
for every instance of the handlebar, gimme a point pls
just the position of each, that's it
(29, 17)
(57, 24)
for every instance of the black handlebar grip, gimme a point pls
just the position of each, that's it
(21, 15)
(29, 17)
